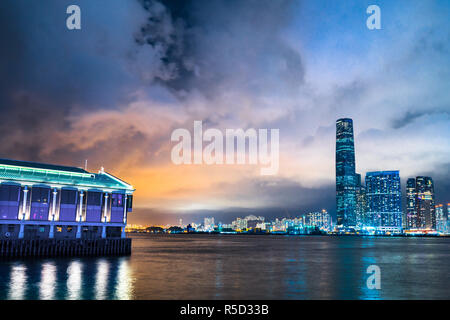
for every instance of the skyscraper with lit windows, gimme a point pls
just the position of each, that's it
(383, 194)
(361, 203)
(420, 207)
(441, 218)
(411, 210)
(345, 173)
(426, 216)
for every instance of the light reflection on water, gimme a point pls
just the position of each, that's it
(48, 281)
(71, 279)
(123, 287)
(101, 280)
(240, 267)
(74, 280)
(18, 281)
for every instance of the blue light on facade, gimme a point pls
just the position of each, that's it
(383, 196)
(345, 173)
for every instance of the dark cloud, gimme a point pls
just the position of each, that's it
(441, 179)
(411, 116)
(288, 193)
(51, 75)
(219, 45)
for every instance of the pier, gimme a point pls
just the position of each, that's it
(51, 210)
(17, 248)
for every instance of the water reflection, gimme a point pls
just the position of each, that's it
(17, 286)
(101, 279)
(123, 289)
(48, 281)
(74, 280)
(239, 267)
(218, 278)
(366, 292)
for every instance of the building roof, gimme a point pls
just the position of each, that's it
(344, 119)
(30, 164)
(380, 173)
(25, 171)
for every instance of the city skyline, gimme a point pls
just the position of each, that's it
(375, 203)
(112, 93)
(224, 158)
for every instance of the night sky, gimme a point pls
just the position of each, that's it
(114, 91)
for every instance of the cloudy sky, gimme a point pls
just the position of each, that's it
(114, 91)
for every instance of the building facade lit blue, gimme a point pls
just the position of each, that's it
(44, 201)
(384, 199)
(345, 173)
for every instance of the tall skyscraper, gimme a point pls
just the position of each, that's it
(426, 216)
(361, 204)
(345, 173)
(411, 211)
(384, 198)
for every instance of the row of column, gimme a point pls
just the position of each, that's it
(80, 215)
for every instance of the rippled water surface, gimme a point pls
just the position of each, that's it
(240, 267)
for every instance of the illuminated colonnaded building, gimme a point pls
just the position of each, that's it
(43, 201)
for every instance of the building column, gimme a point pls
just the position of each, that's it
(124, 216)
(105, 213)
(51, 234)
(24, 209)
(80, 216)
(104, 228)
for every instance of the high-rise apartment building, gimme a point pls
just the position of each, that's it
(411, 211)
(383, 195)
(426, 216)
(441, 218)
(361, 203)
(420, 206)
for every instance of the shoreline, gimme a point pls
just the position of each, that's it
(292, 235)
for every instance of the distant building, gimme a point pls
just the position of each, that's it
(279, 225)
(345, 173)
(320, 219)
(239, 224)
(383, 194)
(441, 218)
(361, 203)
(448, 217)
(190, 228)
(411, 210)
(425, 207)
(253, 221)
(44, 201)
(420, 206)
(208, 224)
